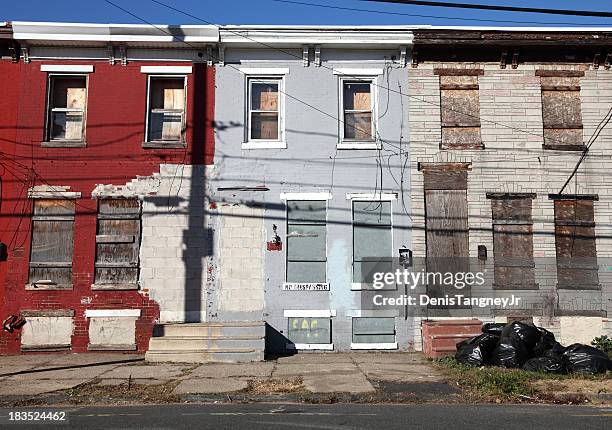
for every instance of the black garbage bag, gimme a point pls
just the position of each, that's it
(544, 364)
(493, 328)
(579, 358)
(528, 334)
(510, 353)
(477, 350)
(546, 342)
(556, 351)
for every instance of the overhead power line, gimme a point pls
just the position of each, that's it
(415, 15)
(568, 12)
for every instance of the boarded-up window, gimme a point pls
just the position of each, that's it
(373, 330)
(52, 243)
(117, 243)
(310, 330)
(358, 111)
(575, 243)
(372, 240)
(513, 241)
(561, 112)
(264, 109)
(460, 112)
(66, 112)
(306, 241)
(166, 109)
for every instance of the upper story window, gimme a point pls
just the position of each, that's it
(264, 109)
(67, 101)
(460, 108)
(561, 110)
(306, 241)
(166, 112)
(358, 111)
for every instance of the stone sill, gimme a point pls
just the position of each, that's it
(63, 144)
(580, 313)
(359, 145)
(48, 348)
(92, 347)
(581, 287)
(48, 287)
(113, 287)
(463, 146)
(518, 287)
(555, 147)
(164, 145)
(264, 145)
(48, 313)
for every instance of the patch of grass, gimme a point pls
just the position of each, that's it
(275, 386)
(506, 384)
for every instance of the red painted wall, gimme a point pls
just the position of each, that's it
(115, 130)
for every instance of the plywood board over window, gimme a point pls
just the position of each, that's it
(117, 244)
(460, 112)
(306, 241)
(577, 267)
(513, 241)
(561, 111)
(166, 116)
(52, 244)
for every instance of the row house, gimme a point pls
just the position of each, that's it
(208, 192)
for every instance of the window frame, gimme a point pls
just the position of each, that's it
(373, 345)
(374, 198)
(49, 141)
(38, 284)
(311, 313)
(249, 142)
(134, 216)
(296, 197)
(347, 143)
(161, 144)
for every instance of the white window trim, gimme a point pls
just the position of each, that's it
(366, 197)
(357, 72)
(311, 346)
(148, 113)
(356, 145)
(264, 144)
(309, 313)
(375, 197)
(351, 143)
(279, 143)
(50, 78)
(391, 345)
(105, 313)
(67, 68)
(286, 254)
(306, 196)
(275, 71)
(373, 313)
(172, 70)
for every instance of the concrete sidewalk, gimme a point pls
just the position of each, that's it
(31, 375)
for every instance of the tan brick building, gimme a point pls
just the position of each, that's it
(498, 122)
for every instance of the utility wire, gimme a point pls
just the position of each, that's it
(570, 12)
(415, 15)
(422, 100)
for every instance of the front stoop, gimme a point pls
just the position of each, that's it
(228, 342)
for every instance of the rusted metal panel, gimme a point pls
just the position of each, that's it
(575, 244)
(517, 209)
(440, 338)
(458, 72)
(445, 179)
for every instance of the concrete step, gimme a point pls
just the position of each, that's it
(225, 355)
(234, 341)
(238, 328)
(181, 343)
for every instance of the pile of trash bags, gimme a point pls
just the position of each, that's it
(519, 345)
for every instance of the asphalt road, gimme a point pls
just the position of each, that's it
(337, 416)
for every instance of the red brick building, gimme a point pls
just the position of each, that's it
(85, 105)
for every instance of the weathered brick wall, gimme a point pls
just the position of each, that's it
(513, 161)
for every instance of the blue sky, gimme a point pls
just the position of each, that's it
(273, 12)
